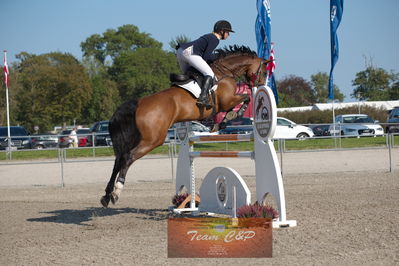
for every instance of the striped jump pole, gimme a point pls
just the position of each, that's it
(223, 137)
(222, 154)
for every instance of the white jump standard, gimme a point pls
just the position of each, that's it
(217, 188)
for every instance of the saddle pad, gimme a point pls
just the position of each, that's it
(194, 88)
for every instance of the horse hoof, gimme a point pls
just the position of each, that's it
(215, 128)
(222, 125)
(104, 201)
(114, 198)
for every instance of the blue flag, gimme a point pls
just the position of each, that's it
(336, 9)
(263, 37)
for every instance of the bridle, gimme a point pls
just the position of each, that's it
(255, 77)
(219, 66)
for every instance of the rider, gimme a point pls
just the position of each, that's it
(198, 52)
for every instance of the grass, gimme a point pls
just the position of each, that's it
(309, 144)
(343, 143)
(70, 153)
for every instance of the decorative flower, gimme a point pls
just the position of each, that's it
(178, 199)
(257, 211)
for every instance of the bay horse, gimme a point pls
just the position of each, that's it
(139, 126)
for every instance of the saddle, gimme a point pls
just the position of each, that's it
(191, 75)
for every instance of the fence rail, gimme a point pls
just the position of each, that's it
(64, 156)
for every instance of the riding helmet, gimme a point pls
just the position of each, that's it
(222, 25)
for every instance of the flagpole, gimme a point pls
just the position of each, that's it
(8, 120)
(334, 125)
(8, 104)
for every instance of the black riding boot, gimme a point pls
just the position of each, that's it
(203, 98)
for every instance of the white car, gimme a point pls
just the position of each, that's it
(286, 129)
(197, 129)
(355, 125)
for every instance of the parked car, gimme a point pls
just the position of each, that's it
(83, 134)
(63, 139)
(101, 134)
(197, 129)
(242, 125)
(355, 125)
(20, 138)
(393, 121)
(320, 130)
(44, 141)
(287, 129)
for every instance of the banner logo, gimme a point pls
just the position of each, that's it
(219, 238)
(333, 12)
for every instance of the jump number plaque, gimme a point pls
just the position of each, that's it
(264, 113)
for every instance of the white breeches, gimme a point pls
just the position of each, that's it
(187, 59)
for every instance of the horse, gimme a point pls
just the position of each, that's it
(139, 126)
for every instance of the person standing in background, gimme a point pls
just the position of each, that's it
(73, 136)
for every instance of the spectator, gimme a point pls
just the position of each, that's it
(74, 137)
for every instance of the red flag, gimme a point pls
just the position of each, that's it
(6, 73)
(271, 65)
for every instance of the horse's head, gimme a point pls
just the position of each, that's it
(257, 71)
(236, 61)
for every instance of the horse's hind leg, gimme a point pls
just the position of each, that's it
(110, 186)
(142, 149)
(120, 182)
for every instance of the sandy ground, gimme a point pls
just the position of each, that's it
(346, 206)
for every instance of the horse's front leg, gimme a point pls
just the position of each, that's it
(244, 106)
(230, 115)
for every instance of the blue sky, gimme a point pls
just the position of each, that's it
(369, 30)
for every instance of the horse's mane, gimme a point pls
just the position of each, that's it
(233, 50)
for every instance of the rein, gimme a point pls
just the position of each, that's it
(218, 67)
(256, 76)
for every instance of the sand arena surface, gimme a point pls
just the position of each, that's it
(345, 217)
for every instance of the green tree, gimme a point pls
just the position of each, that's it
(105, 97)
(372, 84)
(394, 90)
(139, 66)
(54, 88)
(295, 91)
(114, 42)
(179, 39)
(143, 72)
(319, 83)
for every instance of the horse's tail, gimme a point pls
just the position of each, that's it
(123, 130)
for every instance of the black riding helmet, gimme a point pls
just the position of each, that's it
(222, 25)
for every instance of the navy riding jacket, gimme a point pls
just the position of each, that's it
(203, 46)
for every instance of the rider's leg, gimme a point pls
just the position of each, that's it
(200, 64)
(206, 86)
